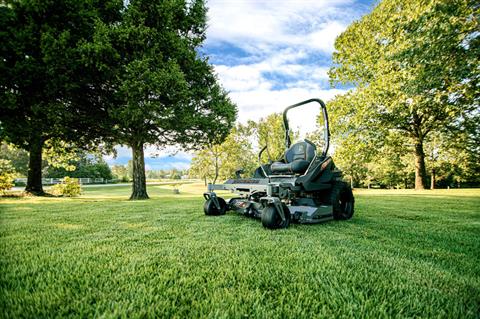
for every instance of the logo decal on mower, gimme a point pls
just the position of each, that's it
(325, 164)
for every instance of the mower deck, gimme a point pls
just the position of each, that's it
(245, 187)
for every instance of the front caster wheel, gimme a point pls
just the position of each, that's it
(211, 210)
(271, 217)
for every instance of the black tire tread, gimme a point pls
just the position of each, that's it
(210, 210)
(341, 195)
(271, 218)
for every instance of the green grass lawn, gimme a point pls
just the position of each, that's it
(404, 254)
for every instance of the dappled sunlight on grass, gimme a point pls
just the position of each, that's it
(69, 226)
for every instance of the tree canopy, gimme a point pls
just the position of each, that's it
(43, 82)
(414, 65)
(159, 89)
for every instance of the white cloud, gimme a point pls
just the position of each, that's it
(324, 38)
(287, 45)
(242, 77)
(271, 54)
(168, 151)
(263, 25)
(256, 104)
(284, 63)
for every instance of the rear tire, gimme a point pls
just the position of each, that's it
(342, 201)
(210, 209)
(271, 217)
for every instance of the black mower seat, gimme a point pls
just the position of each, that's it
(297, 159)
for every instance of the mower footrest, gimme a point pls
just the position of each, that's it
(311, 215)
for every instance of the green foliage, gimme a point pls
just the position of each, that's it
(221, 161)
(352, 155)
(166, 174)
(7, 174)
(415, 68)
(175, 174)
(18, 157)
(404, 254)
(162, 86)
(387, 164)
(455, 160)
(60, 154)
(84, 165)
(70, 187)
(46, 91)
(120, 172)
(390, 164)
(270, 132)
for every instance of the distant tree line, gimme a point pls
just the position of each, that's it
(124, 173)
(80, 164)
(391, 164)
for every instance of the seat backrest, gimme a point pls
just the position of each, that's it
(304, 150)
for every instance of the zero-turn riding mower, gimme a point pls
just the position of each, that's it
(304, 186)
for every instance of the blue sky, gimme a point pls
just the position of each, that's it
(268, 54)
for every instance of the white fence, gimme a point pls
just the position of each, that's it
(52, 181)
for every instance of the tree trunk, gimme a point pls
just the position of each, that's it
(139, 186)
(432, 182)
(34, 178)
(420, 172)
(216, 169)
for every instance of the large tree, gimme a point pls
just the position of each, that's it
(44, 85)
(414, 65)
(158, 88)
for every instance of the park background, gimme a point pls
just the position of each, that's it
(193, 94)
(270, 55)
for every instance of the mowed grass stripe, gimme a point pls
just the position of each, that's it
(404, 254)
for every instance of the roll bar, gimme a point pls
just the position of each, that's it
(288, 142)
